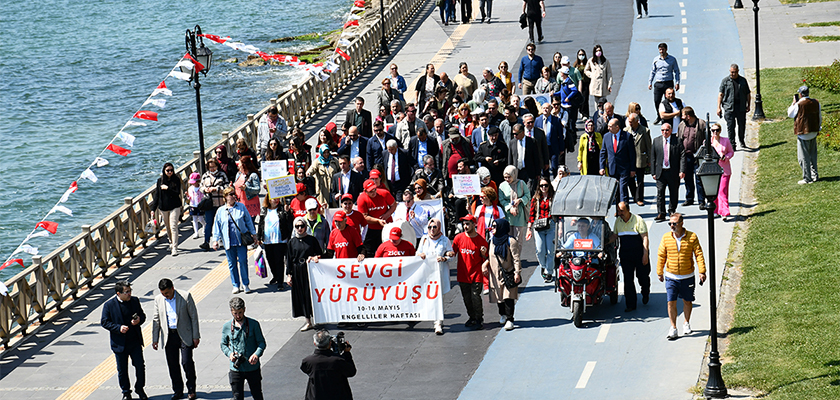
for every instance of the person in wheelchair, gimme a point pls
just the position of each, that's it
(583, 232)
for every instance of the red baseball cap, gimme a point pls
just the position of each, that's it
(374, 174)
(396, 233)
(339, 216)
(301, 188)
(369, 185)
(468, 217)
(346, 196)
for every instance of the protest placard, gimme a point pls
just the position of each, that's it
(283, 186)
(375, 290)
(466, 185)
(274, 169)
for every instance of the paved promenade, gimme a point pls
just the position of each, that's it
(616, 355)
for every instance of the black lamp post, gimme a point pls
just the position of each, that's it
(758, 114)
(203, 56)
(710, 173)
(738, 4)
(383, 44)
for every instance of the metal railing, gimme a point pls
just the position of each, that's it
(38, 293)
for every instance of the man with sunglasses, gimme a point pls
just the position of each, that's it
(675, 266)
(471, 249)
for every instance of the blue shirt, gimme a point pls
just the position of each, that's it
(422, 150)
(666, 69)
(570, 242)
(354, 150)
(530, 69)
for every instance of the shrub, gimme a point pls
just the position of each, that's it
(825, 78)
(829, 137)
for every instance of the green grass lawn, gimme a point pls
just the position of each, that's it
(808, 24)
(785, 337)
(798, 1)
(826, 38)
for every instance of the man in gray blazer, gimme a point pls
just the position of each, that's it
(177, 318)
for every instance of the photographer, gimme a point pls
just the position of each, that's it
(244, 344)
(328, 370)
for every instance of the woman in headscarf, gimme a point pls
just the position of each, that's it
(232, 221)
(478, 100)
(322, 171)
(504, 255)
(589, 149)
(226, 164)
(303, 248)
(167, 199)
(514, 197)
(436, 245)
(421, 190)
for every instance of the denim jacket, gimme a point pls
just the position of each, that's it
(239, 214)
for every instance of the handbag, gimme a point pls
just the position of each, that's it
(541, 224)
(259, 263)
(508, 277)
(246, 238)
(206, 204)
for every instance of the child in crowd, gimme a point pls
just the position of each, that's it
(194, 195)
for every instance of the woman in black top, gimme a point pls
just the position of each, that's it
(302, 249)
(167, 199)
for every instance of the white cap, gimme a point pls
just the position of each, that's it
(564, 60)
(311, 204)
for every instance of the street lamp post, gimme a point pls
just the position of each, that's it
(204, 57)
(758, 114)
(710, 173)
(383, 44)
(738, 4)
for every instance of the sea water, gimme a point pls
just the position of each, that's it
(73, 73)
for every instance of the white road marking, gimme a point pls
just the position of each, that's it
(685, 30)
(584, 377)
(682, 4)
(685, 40)
(685, 50)
(682, 89)
(605, 329)
(683, 75)
(685, 62)
(682, 12)
(683, 21)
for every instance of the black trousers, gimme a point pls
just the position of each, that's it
(637, 185)
(692, 181)
(471, 292)
(731, 119)
(623, 187)
(639, 4)
(275, 255)
(466, 11)
(534, 21)
(658, 92)
(176, 350)
(671, 181)
(630, 253)
(481, 7)
(506, 308)
(136, 354)
(237, 384)
(372, 241)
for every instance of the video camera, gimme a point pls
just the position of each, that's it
(338, 344)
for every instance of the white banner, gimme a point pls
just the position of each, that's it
(466, 185)
(274, 169)
(283, 186)
(375, 290)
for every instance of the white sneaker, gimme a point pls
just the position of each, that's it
(639, 16)
(509, 325)
(307, 326)
(803, 182)
(248, 289)
(235, 290)
(485, 292)
(174, 251)
(438, 328)
(502, 320)
(687, 329)
(196, 236)
(672, 334)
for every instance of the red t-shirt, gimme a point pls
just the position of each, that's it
(345, 243)
(468, 251)
(298, 207)
(355, 220)
(375, 207)
(387, 249)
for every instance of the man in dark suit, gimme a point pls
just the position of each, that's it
(524, 155)
(360, 118)
(618, 157)
(176, 322)
(399, 167)
(542, 144)
(345, 181)
(493, 154)
(667, 169)
(421, 145)
(353, 145)
(123, 316)
(553, 128)
(376, 145)
(605, 116)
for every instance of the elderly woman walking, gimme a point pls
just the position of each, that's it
(322, 171)
(504, 261)
(303, 248)
(438, 247)
(514, 197)
(231, 227)
(723, 146)
(589, 149)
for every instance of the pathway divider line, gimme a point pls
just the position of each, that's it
(441, 56)
(584, 376)
(89, 383)
(602, 333)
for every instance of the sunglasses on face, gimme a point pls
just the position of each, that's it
(170, 170)
(543, 185)
(300, 226)
(715, 130)
(432, 226)
(672, 224)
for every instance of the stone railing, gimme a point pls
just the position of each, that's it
(38, 293)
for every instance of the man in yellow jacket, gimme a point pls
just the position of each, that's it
(675, 267)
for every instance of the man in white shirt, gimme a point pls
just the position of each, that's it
(177, 319)
(398, 168)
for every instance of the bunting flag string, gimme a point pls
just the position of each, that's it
(50, 226)
(100, 162)
(161, 89)
(10, 262)
(119, 150)
(62, 209)
(147, 115)
(89, 175)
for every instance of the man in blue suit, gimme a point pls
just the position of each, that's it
(376, 145)
(553, 128)
(353, 145)
(122, 316)
(618, 157)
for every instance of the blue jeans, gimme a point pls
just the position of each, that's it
(233, 254)
(544, 241)
(209, 216)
